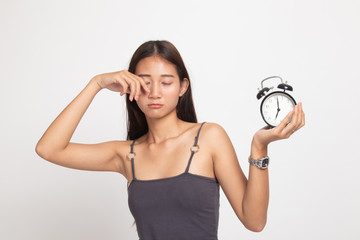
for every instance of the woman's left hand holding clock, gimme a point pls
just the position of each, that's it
(284, 130)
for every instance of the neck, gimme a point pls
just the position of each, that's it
(164, 128)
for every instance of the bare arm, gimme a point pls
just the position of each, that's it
(55, 145)
(256, 196)
(59, 133)
(249, 197)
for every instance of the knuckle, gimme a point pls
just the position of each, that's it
(122, 72)
(123, 85)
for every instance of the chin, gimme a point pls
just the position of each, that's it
(159, 113)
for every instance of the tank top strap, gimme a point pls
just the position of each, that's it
(132, 158)
(195, 146)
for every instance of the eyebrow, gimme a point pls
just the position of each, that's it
(162, 75)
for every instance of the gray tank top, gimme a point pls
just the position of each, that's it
(182, 207)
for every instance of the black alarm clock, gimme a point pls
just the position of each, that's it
(275, 104)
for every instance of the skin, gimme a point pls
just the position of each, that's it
(164, 151)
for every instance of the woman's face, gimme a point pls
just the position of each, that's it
(163, 81)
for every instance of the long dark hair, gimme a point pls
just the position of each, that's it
(136, 121)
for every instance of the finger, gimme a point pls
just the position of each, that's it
(124, 92)
(132, 90)
(284, 122)
(137, 93)
(298, 114)
(140, 80)
(143, 84)
(124, 86)
(302, 117)
(291, 127)
(131, 85)
(135, 80)
(303, 123)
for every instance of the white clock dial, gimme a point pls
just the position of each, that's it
(276, 106)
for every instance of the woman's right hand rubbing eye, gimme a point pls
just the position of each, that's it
(122, 81)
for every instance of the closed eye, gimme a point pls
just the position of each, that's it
(162, 83)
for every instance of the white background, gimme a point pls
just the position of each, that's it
(51, 49)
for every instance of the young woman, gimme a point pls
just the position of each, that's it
(173, 164)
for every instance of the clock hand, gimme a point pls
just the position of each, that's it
(278, 109)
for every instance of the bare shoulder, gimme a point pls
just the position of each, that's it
(214, 135)
(218, 140)
(213, 128)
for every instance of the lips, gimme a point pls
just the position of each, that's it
(155, 105)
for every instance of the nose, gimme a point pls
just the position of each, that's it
(155, 90)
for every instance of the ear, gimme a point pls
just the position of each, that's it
(184, 86)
